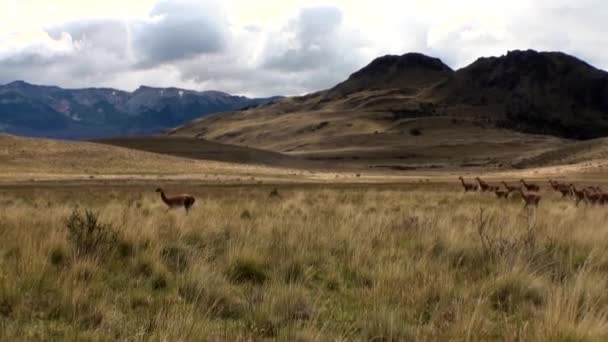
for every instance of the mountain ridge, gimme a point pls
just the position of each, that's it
(52, 111)
(524, 102)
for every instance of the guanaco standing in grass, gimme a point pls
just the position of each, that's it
(529, 186)
(529, 199)
(467, 186)
(501, 193)
(179, 201)
(564, 189)
(578, 195)
(510, 188)
(483, 186)
(594, 195)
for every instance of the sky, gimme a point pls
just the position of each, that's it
(274, 47)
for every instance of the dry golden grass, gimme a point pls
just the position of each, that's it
(313, 263)
(35, 158)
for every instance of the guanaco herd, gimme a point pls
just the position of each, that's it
(529, 192)
(530, 196)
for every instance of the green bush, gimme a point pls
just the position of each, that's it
(88, 236)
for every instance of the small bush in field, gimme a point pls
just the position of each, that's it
(159, 281)
(175, 257)
(57, 256)
(415, 132)
(89, 236)
(245, 270)
(513, 293)
(213, 297)
(294, 272)
(293, 306)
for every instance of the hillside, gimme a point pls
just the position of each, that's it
(207, 150)
(548, 93)
(414, 111)
(96, 112)
(37, 158)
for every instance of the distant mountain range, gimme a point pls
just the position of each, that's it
(51, 111)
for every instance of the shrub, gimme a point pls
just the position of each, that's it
(87, 235)
(294, 272)
(293, 306)
(244, 270)
(57, 256)
(263, 324)
(511, 294)
(381, 325)
(213, 296)
(246, 215)
(159, 281)
(415, 132)
(175, 257)
(143, 268)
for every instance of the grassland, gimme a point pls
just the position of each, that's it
(350, 262)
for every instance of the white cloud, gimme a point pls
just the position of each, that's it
(269, 47)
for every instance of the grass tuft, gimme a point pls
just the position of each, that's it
(247, 270)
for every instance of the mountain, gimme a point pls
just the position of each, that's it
(411, 71)
(51, 111)
(538, 92)
(414, 111)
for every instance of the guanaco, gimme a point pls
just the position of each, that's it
(510, 188)
(595, 197)
(530, 187)
(501, 193)
(186, 201)
(592, 197)
(529, 198)
(578, 195)
(483, 186)
(467, 186)
(564, 189)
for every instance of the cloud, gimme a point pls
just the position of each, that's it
(314, 39)
(179, 30)
(90, 51)
(110, 36)
(313, 50)
(574, 28)
(203, 45)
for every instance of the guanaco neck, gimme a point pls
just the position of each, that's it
(462, 181)
(163, 197)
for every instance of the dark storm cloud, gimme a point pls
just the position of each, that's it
(179, 30)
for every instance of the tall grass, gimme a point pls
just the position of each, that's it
(310, 264)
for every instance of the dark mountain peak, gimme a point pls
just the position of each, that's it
(409, 72)
(532, 65)
(402, 64)
(145, 88)
(18, 83)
